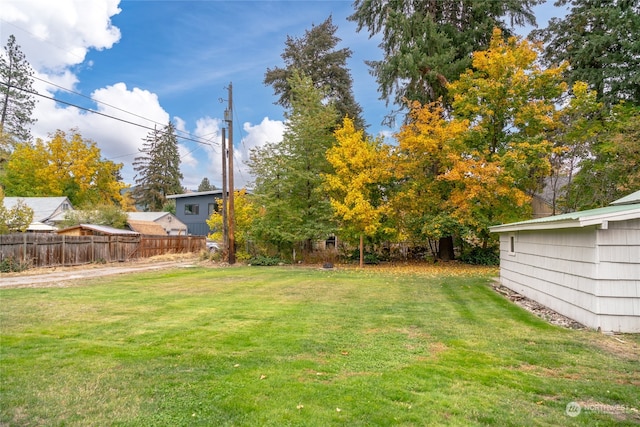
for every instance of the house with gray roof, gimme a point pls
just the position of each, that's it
(46, 210)
(584, 265)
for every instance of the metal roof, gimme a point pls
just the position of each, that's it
(599, 216)
(147, 216)
(195, 193)
(105, 229)
(630, 199)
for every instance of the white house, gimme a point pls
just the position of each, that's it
(584, 265)
(47, 211)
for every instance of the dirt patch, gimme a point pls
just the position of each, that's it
(61, 276)
(623, 346)
(537, 308)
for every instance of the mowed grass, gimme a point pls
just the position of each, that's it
(251, 346)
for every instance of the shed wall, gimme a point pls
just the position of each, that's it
(590, 275)
(172, 225)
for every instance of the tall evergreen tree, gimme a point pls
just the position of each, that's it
(158, 169)
(205, 185)
(427, 44)
(315, 55)
(601, 41)
(288, 175)
(16, 92)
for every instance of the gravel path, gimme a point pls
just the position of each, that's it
(57, 277)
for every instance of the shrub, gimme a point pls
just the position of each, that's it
(369, 257)
(9, 265)
(481, 256)
(266, 260)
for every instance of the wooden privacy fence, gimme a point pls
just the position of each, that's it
(158, 245)
(44, 250)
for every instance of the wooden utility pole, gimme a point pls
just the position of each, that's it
(228, 116)
(225, 229)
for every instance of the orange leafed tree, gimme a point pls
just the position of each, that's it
(477, 165)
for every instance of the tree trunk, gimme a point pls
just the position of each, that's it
(361, 250)
(445, 249)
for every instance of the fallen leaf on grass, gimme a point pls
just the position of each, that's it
(263, 377)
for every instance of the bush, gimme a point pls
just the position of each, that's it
(481, 256)
(9, 265)
(369, 257)
(266, 260)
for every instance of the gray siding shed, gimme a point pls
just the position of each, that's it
(584, 265)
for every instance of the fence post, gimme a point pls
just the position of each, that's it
(24, 248)
(63, 248)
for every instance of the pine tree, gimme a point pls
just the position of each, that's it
(205, 185)
(288, 176)
(158, 169)
(427, 44)
(315, 55)
(16, 93)
(601, 41)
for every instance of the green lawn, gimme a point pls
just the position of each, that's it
(252, 346)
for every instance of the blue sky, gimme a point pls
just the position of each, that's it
(149, 61)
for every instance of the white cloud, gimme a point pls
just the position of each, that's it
(56, 34)
(119, 140)
(268, 131)
(210, 130)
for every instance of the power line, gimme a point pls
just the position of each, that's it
(97, 101)
(101, 114)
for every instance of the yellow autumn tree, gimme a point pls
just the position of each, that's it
(244, 213)
(65, 165)
(355, 187)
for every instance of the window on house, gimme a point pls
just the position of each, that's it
(191, 209)
(213, 207)
(512, 244)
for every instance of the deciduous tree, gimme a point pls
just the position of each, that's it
(245, 212)
(18, 218)
(510, 103)
(357, 184)
(480, 166)
(427, 144)
(16, 92)
(65, 165)
(612, 168)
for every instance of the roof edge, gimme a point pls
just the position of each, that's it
(586, 220)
